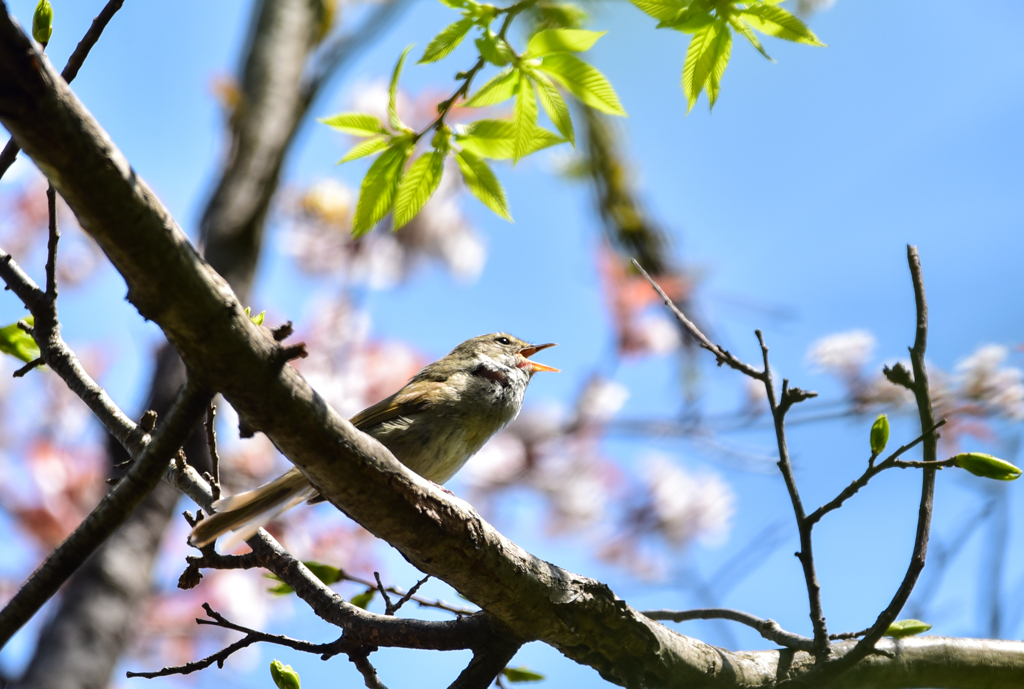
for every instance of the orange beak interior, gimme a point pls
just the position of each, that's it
(533, 366)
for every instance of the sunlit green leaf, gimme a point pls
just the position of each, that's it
(555, 107)
(522, 674)
(660, 9)
(495, 139)
(396, 122)
(418, 184)
(494, 49)
(481, 181)
(700, 59)
(525, 119)
(721, 49)
(742, 27)
(356, 123)
(18, 343)
(901, 629)
(365, 148)
(325, 573)
(377, 193)
(775, 21)
(584, 81)
(560, 16)
(446, 41)
(689, 20)
(500, 88)
(562, 40)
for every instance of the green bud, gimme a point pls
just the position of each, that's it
(879, 434)
(284, 676)
(987, 466)
(904, 628)
(42, 22)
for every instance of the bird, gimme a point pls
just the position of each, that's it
(433, 425)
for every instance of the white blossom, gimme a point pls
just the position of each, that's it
(688, 506)
(843, 353)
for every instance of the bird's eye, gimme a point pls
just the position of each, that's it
(503, 340)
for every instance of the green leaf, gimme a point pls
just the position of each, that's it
(17, 342)
(555, 107)
(284, 676)
(879, 434)
(481, 181)
(775, 21)
(660, 9)
(562, 40)
(742, 27)
(584, 81)
(689, 20)
(325, 573)
(393, 118)
(377, 193)
(987, 466)
(904, 628)
(721, 49)
(458, 4)
(700, 60)
(525, 119)
(500, 88)
(522, 674)
(258, 318)
(494, 49)
(361, 600)
(495, 139)
(418, 185)
(365, 148)
(356, 123)
(446, 41)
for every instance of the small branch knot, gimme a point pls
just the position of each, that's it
(899, 375)
(282, 332)
(148, 421)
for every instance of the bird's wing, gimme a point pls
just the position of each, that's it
(409, 400)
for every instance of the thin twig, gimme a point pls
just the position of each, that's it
(211, 442)
(769, 629)
(10, 152)
(51, 244)
(722, 356)
(361, 659)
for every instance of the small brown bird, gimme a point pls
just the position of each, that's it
(433, 425)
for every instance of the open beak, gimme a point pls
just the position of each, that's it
(533, 366)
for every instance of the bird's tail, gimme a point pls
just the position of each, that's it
(245, 513)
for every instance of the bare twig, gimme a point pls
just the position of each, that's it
(361, 659)
(10, 152)
(769, 629)
(51, 244)
(211, 442)
(722, 356)
(142, 477)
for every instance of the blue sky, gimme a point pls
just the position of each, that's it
(799, 192)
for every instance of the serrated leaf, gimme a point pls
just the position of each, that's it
(522, 674)
(447, 41)
(660, 9)
(721, 49)
(18, 343)
(500, 88)
(689, 20)
(525, 119)
(562, 40)
(494, 49)
(700, 60)
(361, 600)
(393, 118)
(495, 139)
(901, 629)
(481, 181)
(365, 148)
(356, 124)
(775, 21)
(584, 81)
(553, 104)
(377, 193)
(748, 33)
(418, 185)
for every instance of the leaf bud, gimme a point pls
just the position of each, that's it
(879, 434)
(987, 466)
(284, 676)
(42, 22)
(904, 628)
